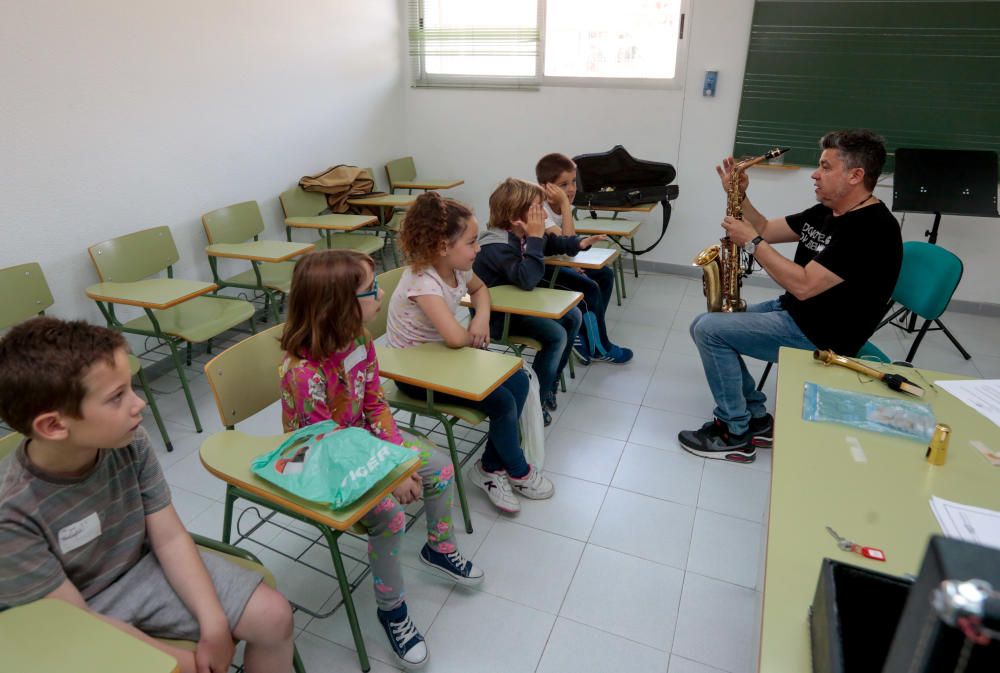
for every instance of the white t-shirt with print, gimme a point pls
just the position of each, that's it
(407, 325)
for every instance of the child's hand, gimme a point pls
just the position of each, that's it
(410, 490)
(535, 226)
(214, 651)
(479, 331)
(585, 243)
(556, 197)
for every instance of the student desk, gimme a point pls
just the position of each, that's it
(880, 499)
(593, 258)
(539, 302)
(327, 224)
(614, 229)
(151, 293)
(384, 202)
(426, 184)
(261, 279)
(52, 635)
(270, 252)
(469, 373)
(615, 210)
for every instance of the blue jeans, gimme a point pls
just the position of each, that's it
(556, 337)
(722, 338)
(503, 407)
(596, 286)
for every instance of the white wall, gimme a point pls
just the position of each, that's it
(484, 136)
(119, 115)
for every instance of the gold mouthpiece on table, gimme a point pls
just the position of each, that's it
(894, 381)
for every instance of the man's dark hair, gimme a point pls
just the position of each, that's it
(42, 365)
(858, 148)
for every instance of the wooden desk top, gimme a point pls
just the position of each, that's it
(883, 502)
(418, 183)
(155, 293)
(333, 222)
(52, 635)
(469, 373)
(609, 227)
(641, 208)
(541, 302)
(594, 258)
(259, 251)
(385, 200)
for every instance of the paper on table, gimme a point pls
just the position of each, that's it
(983, 395)
(965, 522)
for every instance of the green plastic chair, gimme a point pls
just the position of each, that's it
(447, 414)
(297, 202)
(400, 170)
(136, 256)
(927, 280)
(26, 294)
(234, 554)
(244, 379)
(239, 223)
(869, 352)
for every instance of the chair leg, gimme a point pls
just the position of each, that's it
(151, 401)
(345, 592)
(948, 334)
(763, 377)
(619, 280)
(916, 343)
(459, 480)
(189, 349)
(184, 381)
(572, 369)
(297, 664)
(562, 380)
(227, 514)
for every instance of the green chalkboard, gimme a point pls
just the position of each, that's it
(922, 74)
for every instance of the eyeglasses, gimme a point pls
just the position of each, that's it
(370, 293)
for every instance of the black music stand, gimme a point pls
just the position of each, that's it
(943, 182)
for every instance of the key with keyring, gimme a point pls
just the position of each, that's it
(846, 545)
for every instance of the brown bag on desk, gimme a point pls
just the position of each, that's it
(339, 183)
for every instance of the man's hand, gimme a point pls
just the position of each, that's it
(215, 649)
(556, 197)
(585, 243)
(479, 331)
(535, 226)
(725, 172)
(738, 230)
(410, 490)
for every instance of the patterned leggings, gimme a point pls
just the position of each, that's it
(386, 523)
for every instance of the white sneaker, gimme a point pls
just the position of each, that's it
(533, 485)
(498, 489)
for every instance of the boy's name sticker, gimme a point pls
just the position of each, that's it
(80, 533)
(357, 356)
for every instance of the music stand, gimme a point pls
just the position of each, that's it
(943, 182)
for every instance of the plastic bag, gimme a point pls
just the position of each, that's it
(869, 412)
(329, 464)
(533, 424)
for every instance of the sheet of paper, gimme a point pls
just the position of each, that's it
(965, 522)
(983, 395)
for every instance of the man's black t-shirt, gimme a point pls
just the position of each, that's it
(864, 248)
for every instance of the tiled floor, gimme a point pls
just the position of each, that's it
(647, 559)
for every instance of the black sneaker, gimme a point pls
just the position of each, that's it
(407, 643)
(549, 401)
(762, 431)
(714, 440)
(546, 417)
(452, 564)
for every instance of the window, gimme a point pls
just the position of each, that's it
(525, 43)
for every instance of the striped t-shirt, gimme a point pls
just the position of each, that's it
(88, 529)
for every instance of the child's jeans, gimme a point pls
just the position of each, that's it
(596, 287)
(556, 337)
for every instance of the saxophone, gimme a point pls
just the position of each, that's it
(723, 266)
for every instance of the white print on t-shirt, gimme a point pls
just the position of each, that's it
(814, 239)
(357, 356)
(80, 533)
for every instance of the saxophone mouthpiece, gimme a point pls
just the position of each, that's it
(777, 152)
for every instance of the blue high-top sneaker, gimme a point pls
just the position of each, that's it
(406, 641)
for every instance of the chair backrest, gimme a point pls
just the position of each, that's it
(134, 256)
(25, 293)
(244, 377)
(871, 352)
(927, 279)
(400, 170)
(387, 282)
(8, 443)
(233, 224)
(297, 202)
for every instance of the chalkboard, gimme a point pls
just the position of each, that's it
(922, 74)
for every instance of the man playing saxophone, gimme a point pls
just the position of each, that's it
(837, 288)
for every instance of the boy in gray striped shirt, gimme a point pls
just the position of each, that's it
(85, 513)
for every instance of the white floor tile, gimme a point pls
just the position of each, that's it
(646, 527)
(606, 418)
(571, 512)
(481, 633)
(725, 548)
(679, 343)
(665, 474)
(659, 428)
(416, 537)
(679, 664)
(679, 385)
(719, 625)
(582, 454)
(736, 490)
(624, 383)
(528, 566)
(627, 596)
(322, 656)
(633, 336)
(578, 648)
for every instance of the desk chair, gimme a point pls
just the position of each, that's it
(234, 554)
(244, 380)
(927, 280)
(297, 202)
(137, 256)
(239, 223)
(26, 294)
(869, 352)
(400, 170)
(447, 414)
